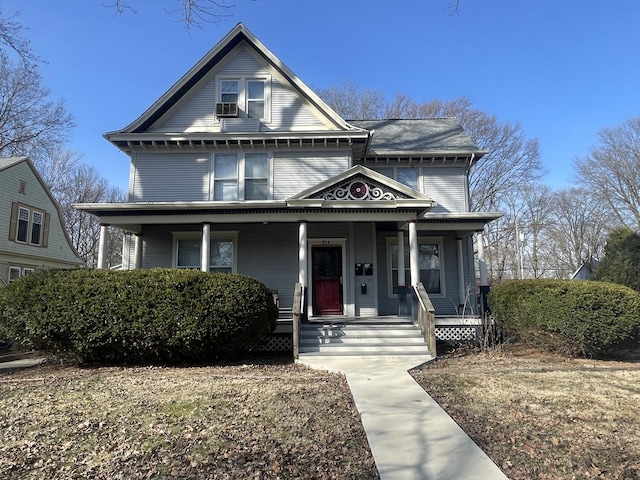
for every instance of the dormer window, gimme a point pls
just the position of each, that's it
(251, 95)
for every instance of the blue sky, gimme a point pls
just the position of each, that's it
(564, 69)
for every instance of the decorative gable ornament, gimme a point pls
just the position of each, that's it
(358, 190)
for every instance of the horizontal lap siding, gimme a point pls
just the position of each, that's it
(295, 172)
(171, 177)
(447, 186)
(196, 113)
(289, 113)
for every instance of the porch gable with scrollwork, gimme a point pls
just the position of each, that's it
(359, 189)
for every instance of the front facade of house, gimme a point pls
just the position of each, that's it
(241, 168)
(32, 236)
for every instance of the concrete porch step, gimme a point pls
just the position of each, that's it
(361, 339)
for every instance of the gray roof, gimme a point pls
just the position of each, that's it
(6, 162)
(423, 136)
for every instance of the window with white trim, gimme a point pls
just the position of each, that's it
(222, 257)
(408, 176)
(28, 225)
(429, 262)
(251, 95)
(16, 272)
(241, 176)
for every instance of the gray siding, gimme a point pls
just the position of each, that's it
(196, 111)
(171, 177)
(289, 113)
(447, 186)
(294, 172)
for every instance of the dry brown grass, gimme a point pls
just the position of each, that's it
(544, 417)
(227, 422)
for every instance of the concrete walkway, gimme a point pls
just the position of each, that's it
(410, 436)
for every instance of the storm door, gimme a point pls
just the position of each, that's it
(327, 280)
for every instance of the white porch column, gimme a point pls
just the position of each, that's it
(401, 267)
(482, 263)
(461, 293)
(126, 245)
(302, 254)
(413, 253)
(102, 246)
(205, 247)
(137, 251)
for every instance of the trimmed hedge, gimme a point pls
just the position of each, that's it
(161, 315)
(568, 316)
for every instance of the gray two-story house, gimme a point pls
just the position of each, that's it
(241, 168)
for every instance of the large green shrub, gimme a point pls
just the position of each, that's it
(621, 262)
(568, 316)
(138, 315)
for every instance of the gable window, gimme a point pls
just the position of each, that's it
(241, 176)
(406, 175)
(255, 99)
(23, 225)
(250, 94)
(229, 91)
(28, 225)
(221, 251)
(429, 255)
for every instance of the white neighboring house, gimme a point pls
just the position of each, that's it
(32, 235)
(240, 167)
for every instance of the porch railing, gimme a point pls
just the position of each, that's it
(426, 316)
(298, 301)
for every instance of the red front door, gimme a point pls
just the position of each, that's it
(327, 280)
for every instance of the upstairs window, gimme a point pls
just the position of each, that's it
(242, 176)
(406, 175)
(28, 225)
(255, 99)
(229, 91)
(250, 94)
(226, 177)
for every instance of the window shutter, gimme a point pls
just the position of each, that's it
(45, 230)
(13, 224)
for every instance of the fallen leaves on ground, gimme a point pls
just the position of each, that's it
(541, 416)
(253, 421)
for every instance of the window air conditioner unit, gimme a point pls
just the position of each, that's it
(226, 109)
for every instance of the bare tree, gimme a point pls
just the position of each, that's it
(194, 13)
(579, 229)
(353, 104)
(71, 181)
(611, 172)
(13, 42)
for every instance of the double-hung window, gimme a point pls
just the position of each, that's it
(408, 176)
(429, 263)
(241, 176)
(221, 251)
(16, 272)
(251, 95)
(28, 225)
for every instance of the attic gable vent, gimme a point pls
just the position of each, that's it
(226, 109)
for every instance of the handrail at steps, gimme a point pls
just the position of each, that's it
(297, 310)
(426, 317)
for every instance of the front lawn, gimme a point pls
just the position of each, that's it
(227, 422)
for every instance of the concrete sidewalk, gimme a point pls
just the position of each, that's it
(410, 436)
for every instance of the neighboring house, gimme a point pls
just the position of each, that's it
(241, 168)
(32, 236)
(586, 270)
